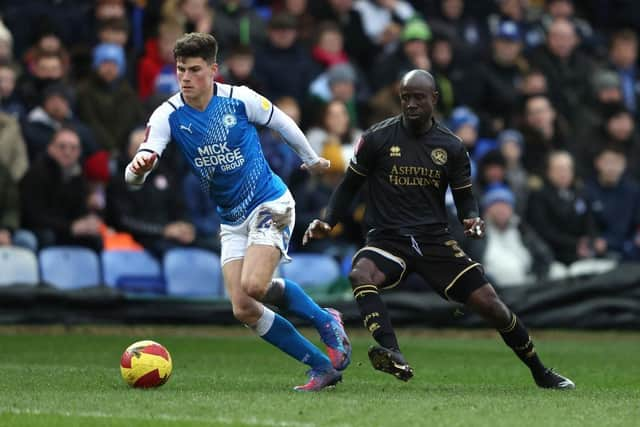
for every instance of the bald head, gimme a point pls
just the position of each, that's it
(562, 38)
(418, 78)
(418, 97)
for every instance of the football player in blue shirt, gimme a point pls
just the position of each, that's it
(214, 126)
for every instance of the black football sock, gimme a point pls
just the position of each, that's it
(375, 316)
(517, 337)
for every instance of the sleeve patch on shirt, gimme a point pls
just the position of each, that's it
(264, 103)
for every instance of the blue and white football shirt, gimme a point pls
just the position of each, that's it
(222, 146)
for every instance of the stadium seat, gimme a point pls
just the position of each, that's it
(69, 267)
(132, 271)
(192, 272)
(311, 271)
(18, 266)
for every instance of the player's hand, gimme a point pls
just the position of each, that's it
(474, 228)
(143, 162)
(316, 230)
(318, 167)
(281, 219)
(180, 231)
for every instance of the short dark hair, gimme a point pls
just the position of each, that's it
(196, 45)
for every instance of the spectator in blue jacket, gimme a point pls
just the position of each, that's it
(615, 200)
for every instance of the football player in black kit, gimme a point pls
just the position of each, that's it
(408, 162)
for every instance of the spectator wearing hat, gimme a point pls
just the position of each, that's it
(117, 31)
(567, 69)
(464, 123)
(54, 112)
(498, 79)
(512, 253)
(515, 11)
(282, 63)
(511, 145)
(411, 53)
(562, 214)
(54, 196)
(106, 102)
(343, 83)
(623, 58)
(606, 92)
(615, 199)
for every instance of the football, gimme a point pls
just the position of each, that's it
(145, 364)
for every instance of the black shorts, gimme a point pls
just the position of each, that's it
(437, 259)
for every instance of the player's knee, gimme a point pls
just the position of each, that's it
(254, 287)
(359, 276)
(246, 312)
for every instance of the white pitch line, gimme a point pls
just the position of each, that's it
(254, 421)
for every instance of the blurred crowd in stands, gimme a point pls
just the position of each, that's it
(544, 94)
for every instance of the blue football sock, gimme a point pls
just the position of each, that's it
(300, 304)
(279, 332)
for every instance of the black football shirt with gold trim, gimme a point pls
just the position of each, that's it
(407, 175)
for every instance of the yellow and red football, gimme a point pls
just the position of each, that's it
(145, 364)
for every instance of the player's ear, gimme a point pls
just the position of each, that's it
(435, 94)
(214, 68)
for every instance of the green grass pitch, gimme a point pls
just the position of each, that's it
(228, 377)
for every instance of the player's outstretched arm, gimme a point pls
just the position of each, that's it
(339, 204)
(294, 137)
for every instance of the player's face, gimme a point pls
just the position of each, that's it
(416, 102)
(195, 77)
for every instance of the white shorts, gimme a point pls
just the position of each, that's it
(258, 229)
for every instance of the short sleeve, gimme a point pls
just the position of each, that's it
(362, 161)
(259, 109)
(158, 133)
(460, 172)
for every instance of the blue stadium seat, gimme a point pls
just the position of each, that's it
(132, 271)
(69, 267)
(192, 272)
(18, 266)
(311, 270)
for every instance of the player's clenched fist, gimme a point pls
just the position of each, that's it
(474, 228)
(143, 162)
(317, 230)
